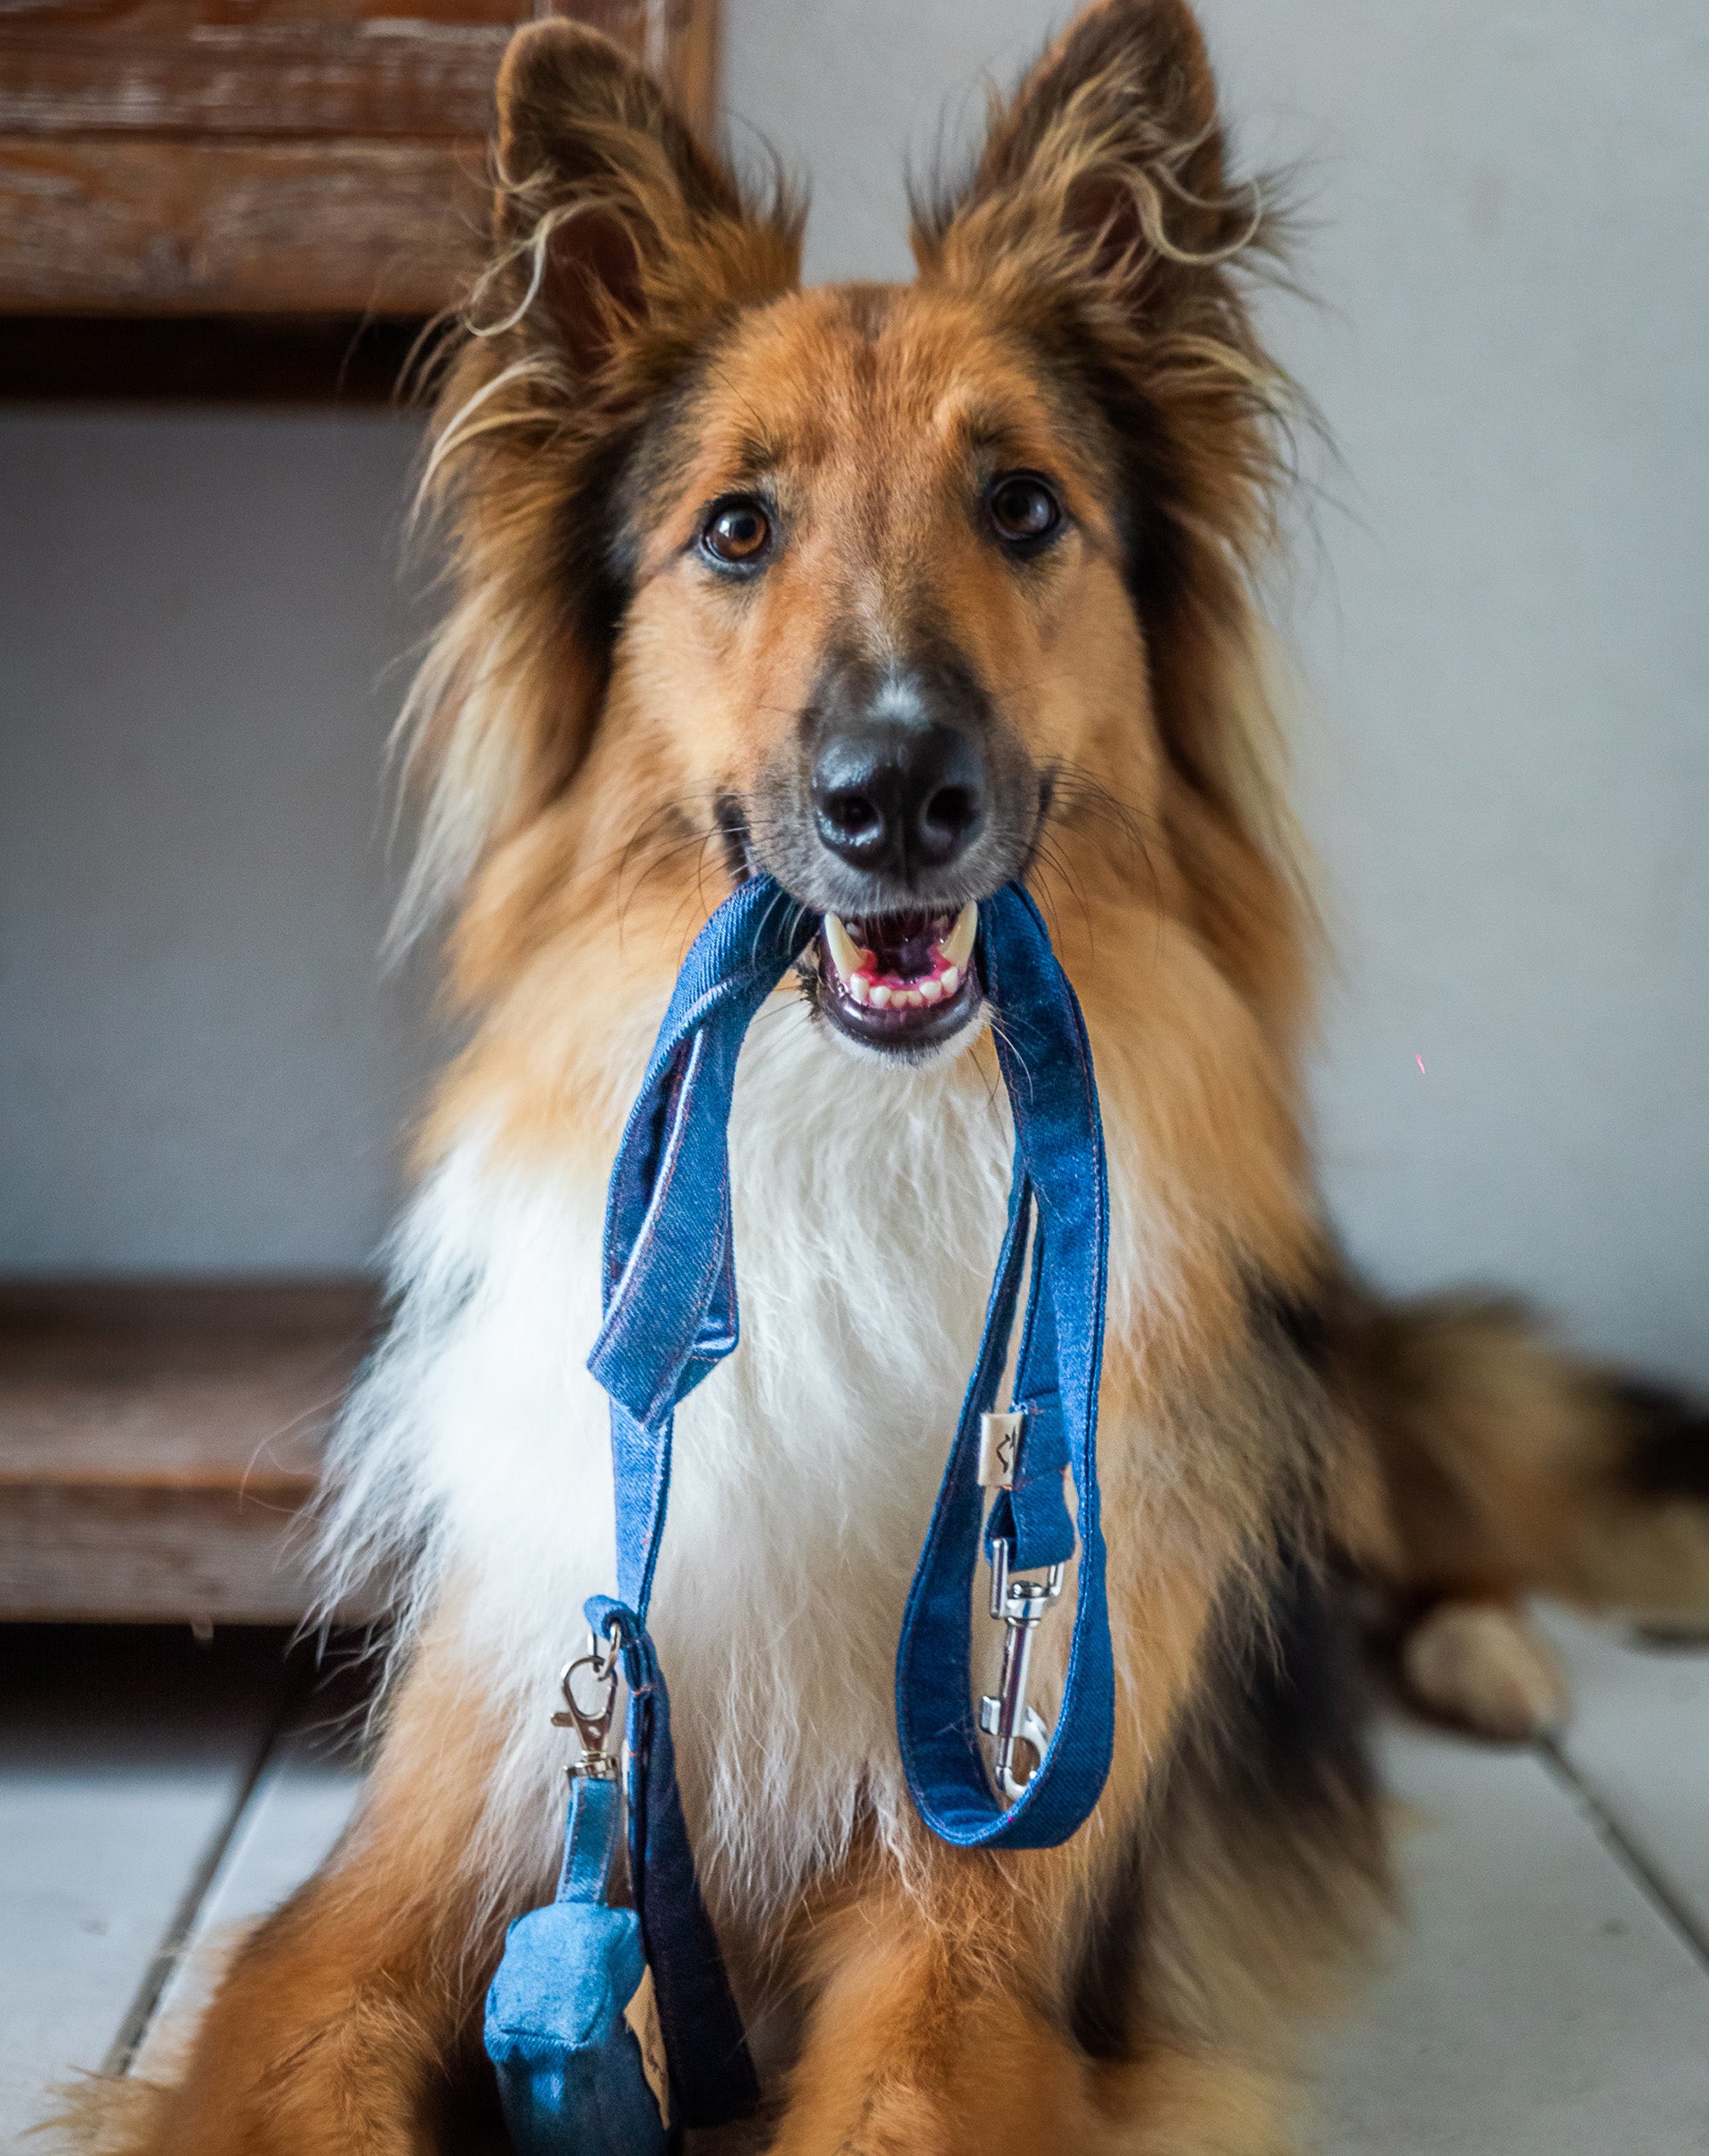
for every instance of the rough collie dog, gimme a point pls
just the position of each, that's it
(899, 592)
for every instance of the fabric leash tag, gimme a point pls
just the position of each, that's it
(642, 2015)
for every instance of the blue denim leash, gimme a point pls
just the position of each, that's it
(671, 1315)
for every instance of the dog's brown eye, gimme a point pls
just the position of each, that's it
(738, 532)
(1022, 509)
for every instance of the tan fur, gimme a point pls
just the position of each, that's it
(1507, 1459)
(1485, 1666)
(580, 721)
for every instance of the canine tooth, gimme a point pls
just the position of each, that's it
(949, 979)
(957, 947)
(878, 996)
(931, 989)
(859, 988)
(845, 956)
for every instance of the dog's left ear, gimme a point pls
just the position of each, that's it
(611, 217)
(1103, 172)
(1100, 224)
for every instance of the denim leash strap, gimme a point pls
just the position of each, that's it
(671, 1315)
(1060, 1182)
(670, 1318)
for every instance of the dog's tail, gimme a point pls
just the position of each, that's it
(1508, 1465)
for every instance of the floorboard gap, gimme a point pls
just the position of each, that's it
(1654, 1881)
(134, 2026)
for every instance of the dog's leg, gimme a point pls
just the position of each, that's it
(1137, 1989)
(931, 2032)
(945, 2026)
(343, 2020)
(942, 1981)
(1079, 1995)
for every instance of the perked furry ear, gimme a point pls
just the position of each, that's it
(607, 207)
(1106, 166)
(621, 246)
(1099, 221)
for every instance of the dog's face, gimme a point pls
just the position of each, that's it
(879, 605)
(894, 592)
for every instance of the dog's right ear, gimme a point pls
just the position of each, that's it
(611, 217)
(620, 246)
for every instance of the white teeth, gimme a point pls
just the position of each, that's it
(845, 956)
(957, 947)
(853, 968)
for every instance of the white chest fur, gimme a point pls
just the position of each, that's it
(869, 1207)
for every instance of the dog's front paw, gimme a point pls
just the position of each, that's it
(1486, 1667)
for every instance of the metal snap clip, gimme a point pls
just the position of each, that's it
(1005, 1715)
(592, 1724)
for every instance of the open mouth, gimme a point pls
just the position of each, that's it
(899, 980)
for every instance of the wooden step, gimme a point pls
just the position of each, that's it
(160, 1441)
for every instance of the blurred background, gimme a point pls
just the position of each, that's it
(1501, 599)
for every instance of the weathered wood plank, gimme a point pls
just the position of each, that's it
(133, 1556)
(646, 26)
(165, 159)
(121, 1763)
(1638, 1739)
(285, 69)
(205, 1306)
(110, 225)
(157, 1446)
(178, 18)
(375, 81)
(169, 1413)
(1538, 2003)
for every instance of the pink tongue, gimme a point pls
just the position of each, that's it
(924, 944)
(905, 980)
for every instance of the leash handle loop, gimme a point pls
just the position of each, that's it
(1060, 1187)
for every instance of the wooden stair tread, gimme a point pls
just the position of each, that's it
(159, 1442)
(212, 1416)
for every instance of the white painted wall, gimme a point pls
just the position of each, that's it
(201, 1067)
(1506, 623)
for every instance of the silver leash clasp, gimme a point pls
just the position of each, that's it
(592, 1724)
(1020, 1604)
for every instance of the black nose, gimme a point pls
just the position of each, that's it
(894, 797)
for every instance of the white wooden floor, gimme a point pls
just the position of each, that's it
(1551, 1997)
